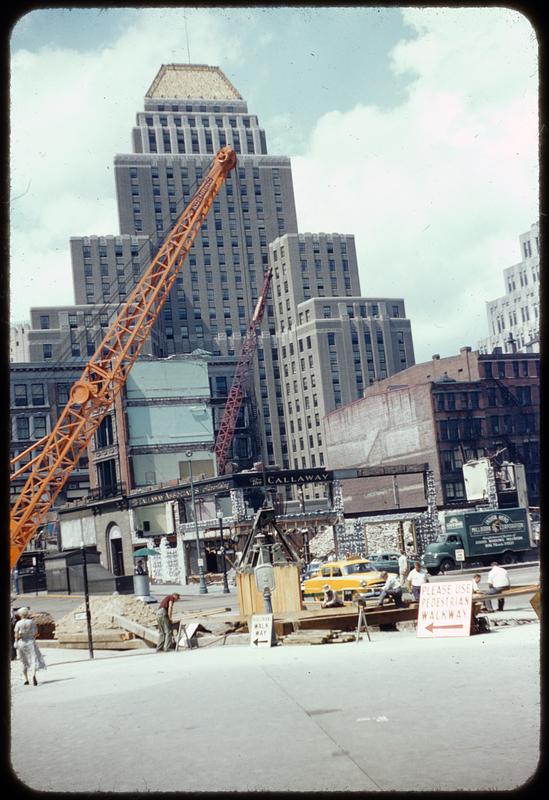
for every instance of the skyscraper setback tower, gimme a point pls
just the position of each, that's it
(190, 112)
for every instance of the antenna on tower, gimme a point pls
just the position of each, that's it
(187, 36)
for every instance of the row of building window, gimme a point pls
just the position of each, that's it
(476, 427)
(509, 369)
(219, 122)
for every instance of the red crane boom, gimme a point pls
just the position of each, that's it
(236, 395)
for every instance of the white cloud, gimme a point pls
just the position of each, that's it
(71, 112)
(438, 189)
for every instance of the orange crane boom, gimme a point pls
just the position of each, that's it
(93, 394)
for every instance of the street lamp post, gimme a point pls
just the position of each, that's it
(87, 597)
(225, 584)
(203, 589)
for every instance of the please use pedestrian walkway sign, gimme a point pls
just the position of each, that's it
(445, 609)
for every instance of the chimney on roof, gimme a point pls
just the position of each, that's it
(436, 357)
(464, 349)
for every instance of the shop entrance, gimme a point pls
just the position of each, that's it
(117, 558)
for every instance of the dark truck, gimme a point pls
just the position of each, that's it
(484, 536)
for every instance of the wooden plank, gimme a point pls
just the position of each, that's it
(200, 613)
(286, 596)
(97, 635)
(141, 631)
(131, 644)
(535, 602)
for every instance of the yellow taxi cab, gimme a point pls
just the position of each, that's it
(349, 577)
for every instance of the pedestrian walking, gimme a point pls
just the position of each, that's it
(498, 579)
(391, 589)
(25, 633)
(416, 578)
(164, 619)
(402, 567)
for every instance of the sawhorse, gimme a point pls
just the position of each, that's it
(182, 630)
(362, 621)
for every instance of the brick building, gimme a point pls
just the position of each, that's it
(444, 411)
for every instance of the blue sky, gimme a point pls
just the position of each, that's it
(421, 122)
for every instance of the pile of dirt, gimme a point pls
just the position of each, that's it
(45, 624)
(102, 609)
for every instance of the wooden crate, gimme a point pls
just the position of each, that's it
(285, 597)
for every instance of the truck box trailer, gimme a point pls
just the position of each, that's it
(484, 536)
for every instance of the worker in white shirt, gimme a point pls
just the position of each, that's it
(402, 567)
(391, 589)
(415, 580)
(498, 579)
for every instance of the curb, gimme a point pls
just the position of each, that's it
(467, 570)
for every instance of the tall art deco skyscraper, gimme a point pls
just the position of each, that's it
(190, 112)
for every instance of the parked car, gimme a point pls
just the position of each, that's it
(311, 569)
(350, 577)
(388, 561)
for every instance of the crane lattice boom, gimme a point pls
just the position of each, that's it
(236, 395)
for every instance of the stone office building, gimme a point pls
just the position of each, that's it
(333, 342)
(513, 320)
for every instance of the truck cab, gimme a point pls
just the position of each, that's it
(440, 556)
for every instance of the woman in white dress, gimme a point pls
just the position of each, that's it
(25, 642)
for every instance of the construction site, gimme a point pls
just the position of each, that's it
(188, 483)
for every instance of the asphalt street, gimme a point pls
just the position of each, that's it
(396, 713)
(58, 605)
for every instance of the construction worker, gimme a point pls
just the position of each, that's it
(330, 599)
(164, 619)
(498, 579)
(391, 589)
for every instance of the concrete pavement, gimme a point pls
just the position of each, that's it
(397, 713)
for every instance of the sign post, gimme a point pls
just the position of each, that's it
(265, 582)
(445, 609)
(460, 556)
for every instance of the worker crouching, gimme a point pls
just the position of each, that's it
(330, 599)
(391, 589)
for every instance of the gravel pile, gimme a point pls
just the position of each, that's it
(102, 609)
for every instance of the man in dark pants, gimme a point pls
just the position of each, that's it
(392, 589)
(164, 619)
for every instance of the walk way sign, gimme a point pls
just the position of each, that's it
(261, 630)
(445, 609)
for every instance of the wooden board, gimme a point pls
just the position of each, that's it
(131, 644)
(535, 602)
(285, 597)
(141, 631)
(97, 635)
(343, 618)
